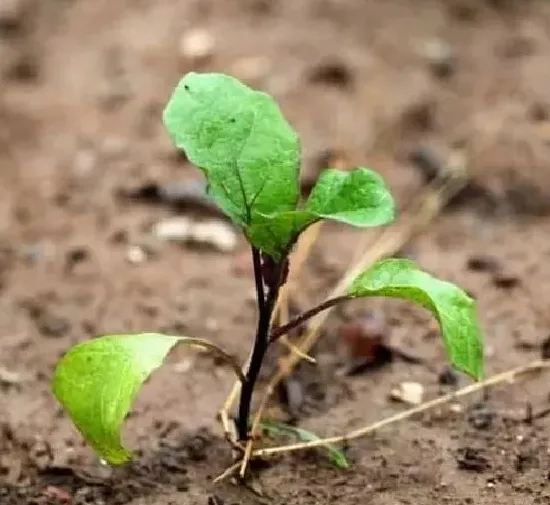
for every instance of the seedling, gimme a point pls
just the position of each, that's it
(250, 156)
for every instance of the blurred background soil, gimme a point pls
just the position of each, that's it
(87, 170)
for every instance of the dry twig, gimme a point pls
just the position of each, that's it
(509, 376)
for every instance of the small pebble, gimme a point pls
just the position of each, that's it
(488, 350)
(456, 408)
(9, 378)
(135, 255)
(408, 392)
(197, 45)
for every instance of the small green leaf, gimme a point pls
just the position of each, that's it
(335, 456)
(357, 197)
(453, 308)
(238, 137)
(97, 381)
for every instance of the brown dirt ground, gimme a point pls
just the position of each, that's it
(82, 87)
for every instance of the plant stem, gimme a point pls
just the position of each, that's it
(261, 344)
(266, 305)
(260, 295)
(308, 314)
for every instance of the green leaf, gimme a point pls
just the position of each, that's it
(250, 155)
(356, 197)
(452, 307)
(238, 137)
(335, 456)
(97, 381)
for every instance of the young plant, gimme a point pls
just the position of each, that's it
(251, 158)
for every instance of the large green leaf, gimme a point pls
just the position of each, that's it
(452, 307)
(356, 197)
(97, 381)
(238, 137)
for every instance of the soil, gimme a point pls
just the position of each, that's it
(384, 84)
